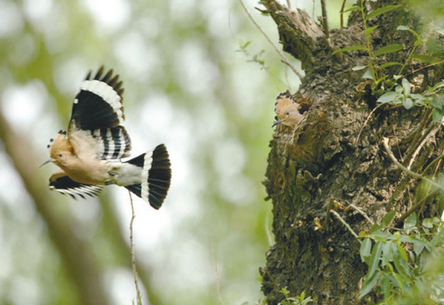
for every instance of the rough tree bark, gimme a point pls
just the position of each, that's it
(335, 157)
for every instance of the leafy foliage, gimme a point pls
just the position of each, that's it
(371, 73)
(257, 58)
(431, 98)
(300, 300)
(396, 258)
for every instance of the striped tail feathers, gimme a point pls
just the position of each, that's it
(156, 176)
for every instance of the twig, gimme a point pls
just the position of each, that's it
(219, 296)
(421, 144)
(419, 135)
(405, 169)
(284, 59)
(431, 164)
(414, 208)
(313, 10)
(289, 4)
(133, 254)
(342, 13)
(362, 213)
(345, 224)
(325, 20)
(366, 121)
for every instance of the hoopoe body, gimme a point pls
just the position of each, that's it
(90, 153)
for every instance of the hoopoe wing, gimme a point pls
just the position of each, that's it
(96, 127)
(60, 182)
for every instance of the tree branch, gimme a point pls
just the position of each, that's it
(385, 142)
(133, 254)
(76, 254)
(336, 214)
(297, 31)
(283, 58)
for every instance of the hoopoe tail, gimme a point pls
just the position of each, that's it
(156, 176)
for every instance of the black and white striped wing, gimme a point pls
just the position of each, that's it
(96, 125)
(61, 183)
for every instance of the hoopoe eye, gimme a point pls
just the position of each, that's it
(288, 113)
(60, 155)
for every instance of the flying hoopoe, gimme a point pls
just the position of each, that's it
(90, 152)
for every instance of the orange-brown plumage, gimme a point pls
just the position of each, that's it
(90, 152)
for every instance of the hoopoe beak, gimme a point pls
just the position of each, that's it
(46, 162)
(276, 123)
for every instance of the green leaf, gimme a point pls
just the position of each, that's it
(366, 248)
(399, 279)
(405, 28)
(418, 248)
(437, 239)
(428, 223)
(406, 85)
(402, 266)
(368, 285)
(388, 97)
(436, 103)
(368, 74)
(419, 99)
(389, 64)
(375, 228)
(399, 89)
(437, 116)
(353, 8)
(357, 68)
(439, 85)
(384, 77)
(410, 223)
(388, 218)
(382, 10)
(417, 42)
(387, 253)
(389, 49)
(382, 236)
(370, 30)
(427, 59)
(386, 285)
(401, 250)
(375, 258)
(408, 103)
(402, 28)
(350, 48)
(411, 240)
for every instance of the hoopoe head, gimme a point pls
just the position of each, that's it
(60, 150)
(287, 111)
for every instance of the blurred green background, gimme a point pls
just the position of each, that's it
(187, 84)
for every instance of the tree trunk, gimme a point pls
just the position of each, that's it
(334, 157)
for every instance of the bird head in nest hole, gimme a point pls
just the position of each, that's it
(287, 111)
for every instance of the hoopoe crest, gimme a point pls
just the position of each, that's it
(90, 153)
(287, 111)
